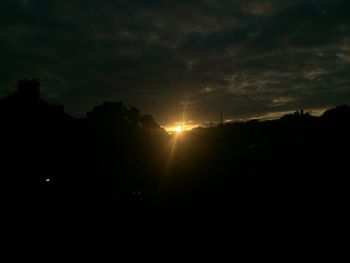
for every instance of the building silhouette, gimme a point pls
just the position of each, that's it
(27, 103)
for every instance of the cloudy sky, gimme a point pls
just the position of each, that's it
(247, 57)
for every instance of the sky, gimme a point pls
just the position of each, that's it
(248, 58)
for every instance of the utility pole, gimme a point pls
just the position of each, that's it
(182, 118)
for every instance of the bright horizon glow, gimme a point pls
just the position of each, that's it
(178, 129)
(175, 127)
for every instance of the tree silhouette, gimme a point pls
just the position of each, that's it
(148, 124)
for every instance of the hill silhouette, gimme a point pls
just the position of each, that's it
(258, 189)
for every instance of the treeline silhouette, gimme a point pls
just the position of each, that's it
(249, 190)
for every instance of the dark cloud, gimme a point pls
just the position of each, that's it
(248, 57)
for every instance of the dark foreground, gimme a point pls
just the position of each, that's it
(246, 192)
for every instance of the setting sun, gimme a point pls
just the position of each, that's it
(178, 129)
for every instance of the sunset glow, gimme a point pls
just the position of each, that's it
(178, 129)
(203, 130)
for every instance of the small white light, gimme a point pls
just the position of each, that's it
(47, 180)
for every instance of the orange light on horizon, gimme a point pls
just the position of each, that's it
(178, 129)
